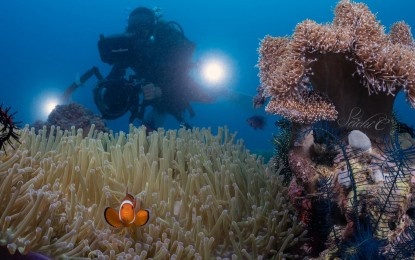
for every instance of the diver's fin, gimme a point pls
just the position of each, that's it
(78, 79)
(243, 100)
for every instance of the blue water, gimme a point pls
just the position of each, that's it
(44, 44)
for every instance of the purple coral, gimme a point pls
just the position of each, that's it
(73, 114)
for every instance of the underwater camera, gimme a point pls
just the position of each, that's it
(116, 48)
(112, 98)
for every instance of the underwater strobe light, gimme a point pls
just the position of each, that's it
(49, 104)
(214, 70)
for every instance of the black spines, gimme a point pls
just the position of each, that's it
(396, 168)
(362, 244)
(8, 127)
(282, 145)
(323, 213)
(403, 247)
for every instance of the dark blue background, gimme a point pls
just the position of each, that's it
(45, 44)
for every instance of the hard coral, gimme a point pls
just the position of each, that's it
(72, 115)
(343, 70)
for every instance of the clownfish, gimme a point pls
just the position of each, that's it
(127, 214)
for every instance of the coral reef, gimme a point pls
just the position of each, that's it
(336, 84)
(359, 205)
(339, 71)
(207, 194)
(72, 114)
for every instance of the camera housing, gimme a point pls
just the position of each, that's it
(112, 98)
(116, 48)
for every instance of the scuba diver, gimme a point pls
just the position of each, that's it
(160, 57)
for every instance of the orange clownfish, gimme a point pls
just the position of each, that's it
(126, 215)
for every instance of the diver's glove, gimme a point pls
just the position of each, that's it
(185, 125)
(150, 91)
